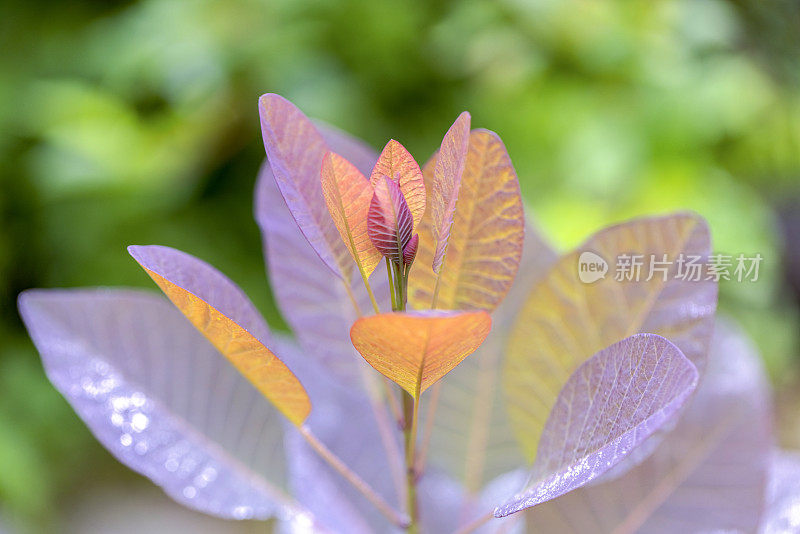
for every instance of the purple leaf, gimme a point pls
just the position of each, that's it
(389, 223)
(295, 148)
(610, 405)
(446, 183)
(472, 439)
(782, 507)
(708, 474)
(313, 300)
(161, 399)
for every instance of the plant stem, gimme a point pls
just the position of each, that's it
(357, 482)
(392, 285)
(411, 410)
(398, 278)
(398, 282)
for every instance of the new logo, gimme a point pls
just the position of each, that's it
(591, 267)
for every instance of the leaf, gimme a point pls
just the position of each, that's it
(564, 321)
(472, 439)
(398, 165)
(485, 241)
(783, 494)
(389, 223)
(610, 405)
(348, 195)
(446, 183)
(314, 301)
(295, 148)
(214, 305)
(707, 475)
(416, 349)
(162, 399)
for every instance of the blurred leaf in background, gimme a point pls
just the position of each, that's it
(136, 123)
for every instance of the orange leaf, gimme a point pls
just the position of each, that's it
(397, 164)
(418, 348)
(348, 194)
(250, 357)
(485, 243)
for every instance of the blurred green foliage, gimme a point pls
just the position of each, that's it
(136, 122)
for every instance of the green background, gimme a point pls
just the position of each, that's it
(136, 123)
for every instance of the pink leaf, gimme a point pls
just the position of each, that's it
(390, 222)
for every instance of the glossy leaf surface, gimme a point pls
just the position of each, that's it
(485, 243)
(348, 195)
(609, 406)
(390, 224)
(708, 475)
(162, 399)
(184, 279)
(295, 149)
(564, 320)
(397, 164)
(446, 183)
(416, 349)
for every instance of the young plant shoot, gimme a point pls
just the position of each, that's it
(447, 372)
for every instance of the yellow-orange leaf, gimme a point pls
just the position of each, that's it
(574, 312)
(348, 194)
(397, 164)
(416, 349)
(485, 244)
(249, 355)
